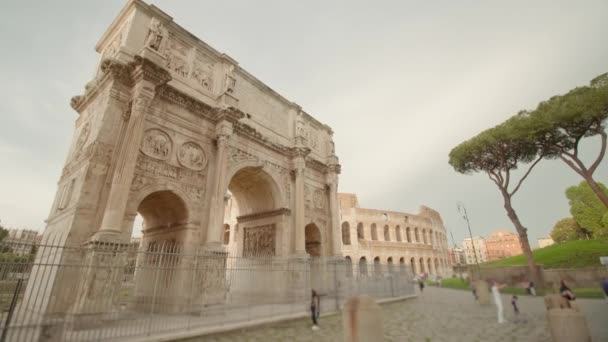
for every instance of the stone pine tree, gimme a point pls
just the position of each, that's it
(499, 152)
(562, 122)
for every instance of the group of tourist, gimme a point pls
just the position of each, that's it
(564, 291)
(495, 287)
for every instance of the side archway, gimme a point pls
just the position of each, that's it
(313, 240)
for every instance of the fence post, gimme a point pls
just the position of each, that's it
(336, 289)
(11, 310)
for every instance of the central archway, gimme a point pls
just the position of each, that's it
(251, 210)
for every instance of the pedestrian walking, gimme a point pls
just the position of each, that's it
(315, 306)
(421, 285)
(514, 304)
(472, 285)
(530, 289)
(498, 301)
(565, 291)
(605, 288)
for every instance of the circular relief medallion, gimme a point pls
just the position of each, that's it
(192, 156)
(156, 144)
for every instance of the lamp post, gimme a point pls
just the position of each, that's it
(463, 211)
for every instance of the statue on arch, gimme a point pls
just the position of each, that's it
(156, 35)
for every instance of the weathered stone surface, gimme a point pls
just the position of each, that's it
(568, 325)
(362, 320)
(556, 301)
(483, 293)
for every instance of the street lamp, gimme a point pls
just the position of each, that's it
(463, 211)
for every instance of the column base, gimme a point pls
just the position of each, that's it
(215, 247)
(106, 236)
(300, 255)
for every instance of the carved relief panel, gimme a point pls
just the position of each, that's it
(192, 156)
(83, 136)
(177, 54)
(202, 71)
(259, 241)
(319, 199)
(156, 144)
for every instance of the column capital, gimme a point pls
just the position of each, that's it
(300, 151)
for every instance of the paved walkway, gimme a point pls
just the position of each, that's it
(436, 315)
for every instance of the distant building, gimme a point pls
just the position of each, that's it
(399, 240)
(480, 250)
(544, 242)
(21, 241)
(502, 244)
(457, 256)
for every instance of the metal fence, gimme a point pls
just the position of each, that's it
(119, 291)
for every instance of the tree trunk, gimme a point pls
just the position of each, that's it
(523, 235)
(597, 190)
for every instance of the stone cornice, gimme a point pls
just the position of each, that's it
(247, 131)
(335, 168)
(230, 114)
(126, 74)
(316, 165)
(265, 214)
(143, 68)
(110, 69)
(176, 97)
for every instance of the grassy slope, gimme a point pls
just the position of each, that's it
(572, 254)
(461, 284)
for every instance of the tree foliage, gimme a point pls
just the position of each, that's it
(559, 124)
(567, 229)
(588, 211)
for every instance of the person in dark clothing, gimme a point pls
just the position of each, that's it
(531, 289)
(421, 284)
(315, 305)
(565, 291)
(605, 287)
(514, 303)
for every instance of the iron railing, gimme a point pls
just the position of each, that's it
(108, 291)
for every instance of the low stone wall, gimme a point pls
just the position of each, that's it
(578, 277)
(513, 276)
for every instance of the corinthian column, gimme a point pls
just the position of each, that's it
(146, 76)
(334, 210)
(216, 214)
(299, 171)
(125, 165)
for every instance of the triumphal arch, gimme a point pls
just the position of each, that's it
(176, 131)
(170, 128)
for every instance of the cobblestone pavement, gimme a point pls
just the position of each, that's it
(436, 315)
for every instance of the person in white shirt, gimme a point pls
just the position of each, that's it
(498, 300)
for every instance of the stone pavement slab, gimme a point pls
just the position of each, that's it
(436, 315)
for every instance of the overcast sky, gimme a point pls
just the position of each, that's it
(400, 82)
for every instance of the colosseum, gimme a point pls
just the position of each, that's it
(417, 242)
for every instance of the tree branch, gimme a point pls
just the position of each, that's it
(601, 155)
(494, 178)
(526, 175)
(572, 166)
